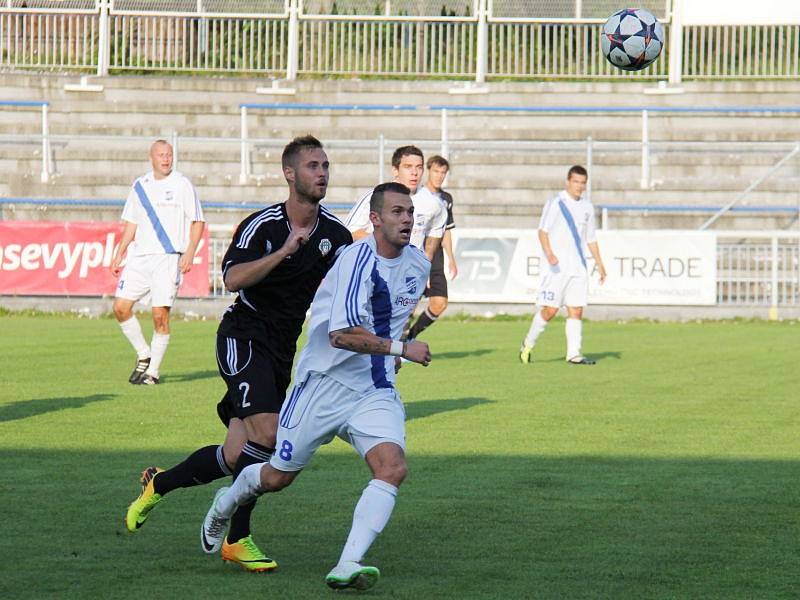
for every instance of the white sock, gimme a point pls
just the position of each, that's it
(133, 331)
(574, 329)
(158, 347)
(246, 487)
(370, 517)
(537, 327)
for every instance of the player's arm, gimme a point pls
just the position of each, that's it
(595, 250)
(246, 274)
(127, 237)
(195, 233)
(544, 240)
(359, 234)
(447, 244)
(358, 339)
(431, 246)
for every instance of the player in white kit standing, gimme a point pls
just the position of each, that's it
(164, 220)
(344, 382)
(565, 229)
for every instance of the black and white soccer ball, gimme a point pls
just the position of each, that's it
(632, 39)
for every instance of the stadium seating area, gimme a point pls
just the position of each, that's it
(505, 164)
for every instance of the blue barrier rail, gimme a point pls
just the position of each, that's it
(38, 103)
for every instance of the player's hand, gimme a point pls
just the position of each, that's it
(185, 262)
(297, 237)
(552, 259)
(453, 270)
(115, 268)
(418, 352)
(602, 271)
(397, 364)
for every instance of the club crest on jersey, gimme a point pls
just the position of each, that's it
(325, 246)
(411, 285)
(268, 247)
(168, 195)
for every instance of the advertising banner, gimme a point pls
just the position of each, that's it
(57, 258)
(644, 267)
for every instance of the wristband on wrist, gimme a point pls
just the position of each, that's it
(397, 348)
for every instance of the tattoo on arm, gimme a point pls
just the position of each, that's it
(358, 339)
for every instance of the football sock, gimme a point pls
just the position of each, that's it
(159, 348)
(246, 487)
(426, 319)
(537, 327)
(133, 331)
(252, 453)
(573, 328)
(203, 466)
(370, 517)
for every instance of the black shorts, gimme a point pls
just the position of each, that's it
(256, 382)
(438, 286)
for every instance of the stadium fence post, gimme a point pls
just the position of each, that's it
(103, 45)
(45, 175)
(482, 46)
(773, 309)
(244, 157)
(174, 149)
(645, 182)
(589, 168)
(294, 33)
(381, 154)
(675, 64)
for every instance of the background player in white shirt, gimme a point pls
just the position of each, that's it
(565, 229)
(164, 220)
(430, 216)
(344, 382)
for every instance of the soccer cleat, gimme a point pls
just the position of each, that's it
(212, 531)
(139, 369)
(139, 508)
(246, 554)
(352, 575)
(147, 379)
(580, 360)
(525, 354)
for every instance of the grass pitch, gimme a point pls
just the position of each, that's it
(668, 470)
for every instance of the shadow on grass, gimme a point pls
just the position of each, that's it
(567, 527)
(426, 408)
(461, 354)
(598, 356)
(183, 377)
(39, 406)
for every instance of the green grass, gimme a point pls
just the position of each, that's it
(669, 470)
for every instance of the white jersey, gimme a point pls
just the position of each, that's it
(366, 290)
(163, 211)
(569, 225)
(430, 216)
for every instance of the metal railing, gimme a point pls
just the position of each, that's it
(482, 42)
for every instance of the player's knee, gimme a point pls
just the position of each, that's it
(121, 311)
(262, 428)
(273, 480)
(394, 472)
(548, 313)
(437, 305)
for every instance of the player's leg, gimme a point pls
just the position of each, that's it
(437, 302)
(377, 431)
(203, 466)
(132, 287)
(165, 281)
(575, 297)
(549, 301)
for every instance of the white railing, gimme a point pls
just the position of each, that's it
(482, 42)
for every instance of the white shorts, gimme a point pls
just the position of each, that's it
(156, 274)
(558, 289)
(320, 408)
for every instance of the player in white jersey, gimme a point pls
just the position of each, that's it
(164, 220)
(430, 214)
(344, 382)
(565, 229)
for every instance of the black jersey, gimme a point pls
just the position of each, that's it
(273, 310)
(437, 264)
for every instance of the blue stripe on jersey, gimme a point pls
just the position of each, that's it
(289, 406)
(382, 317)
(573, 229)
(351, 299)
(151, 214)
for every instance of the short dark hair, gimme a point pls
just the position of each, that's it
(379, 192)
(294, 147)
(577, 170)
(439, 161)
(405, 151)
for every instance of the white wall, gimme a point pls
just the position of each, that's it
(740, 12)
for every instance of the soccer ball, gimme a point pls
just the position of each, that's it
(632, 39)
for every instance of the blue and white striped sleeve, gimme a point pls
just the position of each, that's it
(352, 287)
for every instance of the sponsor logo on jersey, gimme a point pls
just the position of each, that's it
(411, 285)
(404, 301)
(325, 246)
(168, 196)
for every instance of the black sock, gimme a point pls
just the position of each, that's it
(426, 319)
(201, 467)
(252, 453)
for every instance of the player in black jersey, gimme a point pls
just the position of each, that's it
(276, 261)
(438, 167)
